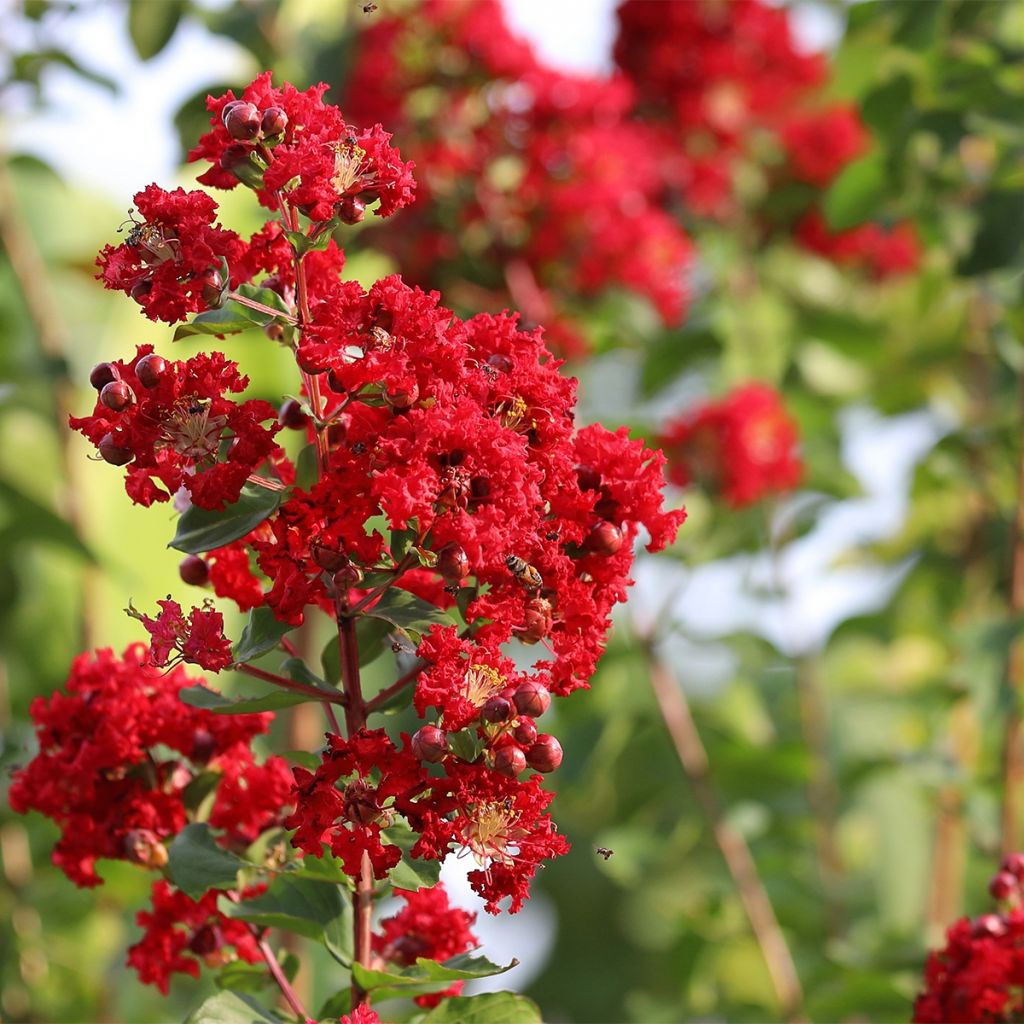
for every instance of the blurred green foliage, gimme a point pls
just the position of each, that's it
(900, 775)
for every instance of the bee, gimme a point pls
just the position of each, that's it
(604, 852)
(369, 8)
(525, 573)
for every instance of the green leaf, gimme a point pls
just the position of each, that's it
(307, 468)
(306, 907)
(486, 1008)
(199, 794)
(426, 975)
(262, 633)
(151, 25)
(232, 1008)
(465, 744)
(297, 669)
(410, 872)
(409, 613)
(855, 195)
(196, 863)
(208, 700)
(231, 318)
(201, 529)
(266, 297)
(302, 243)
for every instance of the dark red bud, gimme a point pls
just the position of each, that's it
(310, 362)
(194, 571)
(1014, 864)
(604, 539)
(213, 287)
(117, 395)
(334, 382)
(988, 924)
(497, 709)
(453, 563)
(401, 397)
(141, 289)
(588, 478)
(101, 375)
(242, 121)
(327, 558)
(150, 370)
(509, 760)
(351, 210)
(206, 940)
(228, 107)
(346, 577)
(606, 506)
(291, 415)
(525, 732)
(273, 122)
(110, 451)
(203, 746)
(142, 846)
(480, 487)
(430, 744)
(532, 698)
(1002, 885)
(338, 430)
(234, 155)
(545, 755)
(500, 363)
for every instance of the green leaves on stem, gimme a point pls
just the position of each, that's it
(200, 529)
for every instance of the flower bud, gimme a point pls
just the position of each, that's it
(335, 383)
(430, 744)
(453, 563)
(273, 122)
(112, 452)
(194, 571)
(337, 430)
(1002, 886)
(329, 559)
(206, 940)
(606, 506)
(1014, 864)
(290, 415)
(988, 924)
(532, 698)
(228, 107)
(204, 746)
(242, 121)
(496, 709)
(361, 802)
(588, 478)
(402, 396)
(545, 755)
(117, 395)
(150, 370)
(509, 760)
(213, 287)
(310, 362)
(142, 846)
(101, 375)
(274, 331)
(604, 538)
(351, 210)
(346, 577)
(525, 732)
(141, 289)
(234, 156)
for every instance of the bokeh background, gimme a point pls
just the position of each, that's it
(832, 670)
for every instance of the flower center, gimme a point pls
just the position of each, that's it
(491, 833)
(191, 431)
(482, 682)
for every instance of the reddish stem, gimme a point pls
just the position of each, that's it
(261, 308)
(291, 684)
(282, 982)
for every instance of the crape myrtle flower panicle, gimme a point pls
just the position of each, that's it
(167, 257)
(426, 926)
(170, 429)
(178, 933)
(97, 777)
(197, 637)
(882, 252)
(318, 159)
(742, 447)
(978, 975)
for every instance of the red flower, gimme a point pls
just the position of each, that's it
(178, 926)
(101, 776)
(882, 252)
(743, 447)
(821, 143)
(198, 638)
(163, 262)
(171, 433)
(427, 926)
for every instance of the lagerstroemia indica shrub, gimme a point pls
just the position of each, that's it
(444, 497)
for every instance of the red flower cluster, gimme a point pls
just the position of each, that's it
(427, 926)
(742, 447)
(979, 974)
(291, 145)
(566, 188)
(821, 143)
(178, 926)
(882, 252)
(169, 262)
(169, 422)
(197, 638)
(100, 776)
